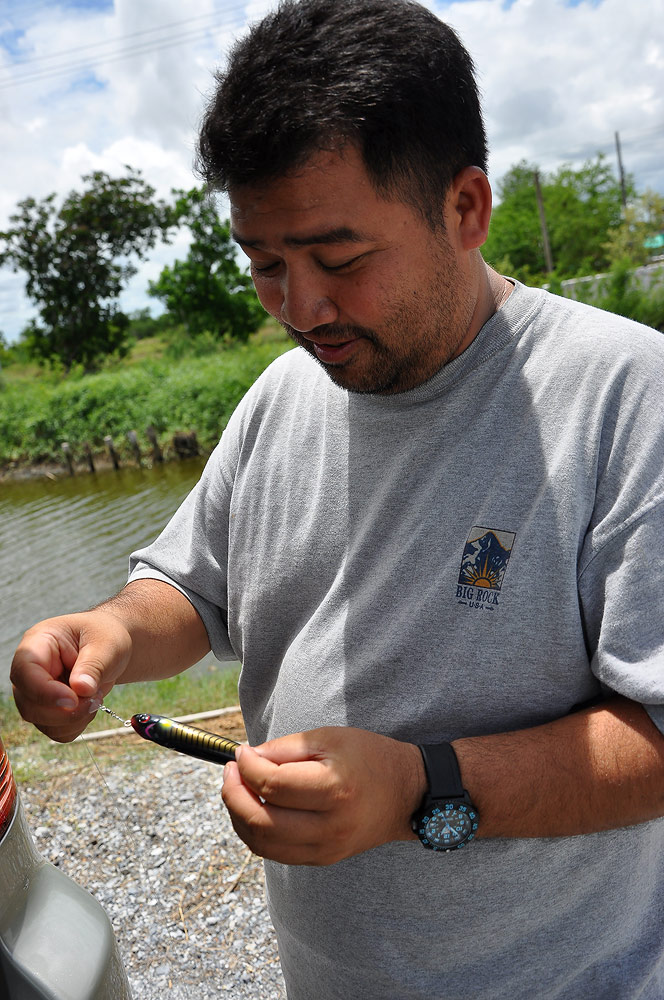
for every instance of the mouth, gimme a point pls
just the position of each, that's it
(334, 353)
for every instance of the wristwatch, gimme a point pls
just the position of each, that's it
(447, 819)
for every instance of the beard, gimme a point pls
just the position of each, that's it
(417, 338)
(380, 375)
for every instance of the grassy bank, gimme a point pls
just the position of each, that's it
(40, 410)
(35, 758)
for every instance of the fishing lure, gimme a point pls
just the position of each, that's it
(178, 736)
(185, 739)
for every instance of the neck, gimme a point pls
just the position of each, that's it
(492, 291)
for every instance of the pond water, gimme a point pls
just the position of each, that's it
(65, 543)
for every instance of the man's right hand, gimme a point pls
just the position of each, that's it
(63, 665)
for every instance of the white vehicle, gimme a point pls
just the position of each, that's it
(56, 941)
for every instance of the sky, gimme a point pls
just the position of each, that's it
(96, 84)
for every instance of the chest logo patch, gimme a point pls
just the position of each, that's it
(483, 566)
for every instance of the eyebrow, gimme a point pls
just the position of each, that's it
(342, 234)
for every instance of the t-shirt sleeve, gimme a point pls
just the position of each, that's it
(191, 553)
(621, 591)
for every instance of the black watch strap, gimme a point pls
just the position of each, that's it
(443, 774)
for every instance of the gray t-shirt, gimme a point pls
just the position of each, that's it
(480, 554)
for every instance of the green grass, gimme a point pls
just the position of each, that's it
(35, 758)
(40, 411)
(180, 695)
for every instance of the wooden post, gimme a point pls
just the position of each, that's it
(67, 452)
(108, 441)
(545, 232)
(157, 455)
(185, 444)
(621, 171)
(133, 441)
(88, 456)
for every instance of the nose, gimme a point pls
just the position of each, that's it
(305, 303)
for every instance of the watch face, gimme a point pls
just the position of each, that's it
(448, 825)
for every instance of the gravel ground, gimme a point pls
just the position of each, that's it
(144, 830)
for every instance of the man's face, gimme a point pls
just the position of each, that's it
(361, 283)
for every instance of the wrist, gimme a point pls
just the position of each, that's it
(447, 819)
(414, 788)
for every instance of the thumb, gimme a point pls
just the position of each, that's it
(97, 667)
(314, 744)
(86, 676)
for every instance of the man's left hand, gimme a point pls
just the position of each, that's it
(317, 797)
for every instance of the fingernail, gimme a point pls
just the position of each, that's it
(66, 703)
(87, 679)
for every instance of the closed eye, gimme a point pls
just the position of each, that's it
(342, 266)
(346, 264)
(264, 268)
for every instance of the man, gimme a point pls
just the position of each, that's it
(437, 525)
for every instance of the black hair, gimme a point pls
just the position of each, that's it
(385, 75)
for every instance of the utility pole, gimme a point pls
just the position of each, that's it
(548, 259)
(621, 171)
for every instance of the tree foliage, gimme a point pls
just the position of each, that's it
(582, 206)
(618, 292)
(207, 292)
(78, 258)
(642, 222)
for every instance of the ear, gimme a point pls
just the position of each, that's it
(469, 207)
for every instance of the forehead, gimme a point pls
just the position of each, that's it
(330, 192)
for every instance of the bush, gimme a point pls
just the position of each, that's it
(37, 416)
(618, 293)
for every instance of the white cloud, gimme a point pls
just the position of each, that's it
(557, 82)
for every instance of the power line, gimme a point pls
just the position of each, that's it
(28, 60)
(591, 147)
(29, 8)
(141, 48)
(628, 138)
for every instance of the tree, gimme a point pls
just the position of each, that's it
(515, 243)
(207, 291)
(581, 206)
(77, 260)
(143, 324)
(636, 238)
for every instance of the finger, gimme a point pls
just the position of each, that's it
(38, 688)
(290, 836)
(305, 784)
(43, 696)
(52, 654)
(56, 722)
(310, 745)
(39, 696)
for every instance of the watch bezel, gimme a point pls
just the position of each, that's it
(449, 804)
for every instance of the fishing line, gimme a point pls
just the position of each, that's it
(123, 819)
(138, 845)
(172, 735)
(113, 798)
